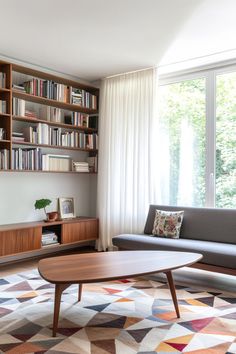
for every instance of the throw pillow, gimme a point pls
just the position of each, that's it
(167, 223)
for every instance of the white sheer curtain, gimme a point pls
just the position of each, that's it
(128, 153)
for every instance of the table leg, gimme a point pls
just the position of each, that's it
(79, 292)
(173, 293)
(59, 288)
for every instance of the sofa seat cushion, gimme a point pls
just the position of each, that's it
(214, 253)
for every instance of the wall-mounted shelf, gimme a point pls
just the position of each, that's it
(82, 117)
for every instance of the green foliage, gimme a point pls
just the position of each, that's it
(42, 203)
(186, 100)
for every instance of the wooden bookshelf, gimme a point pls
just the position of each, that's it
(8, 119)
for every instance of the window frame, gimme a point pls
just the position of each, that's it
(210, 75)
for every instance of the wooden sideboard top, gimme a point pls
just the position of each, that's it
(32, 224)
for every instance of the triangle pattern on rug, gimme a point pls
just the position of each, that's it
(197, 325)
(139, 334)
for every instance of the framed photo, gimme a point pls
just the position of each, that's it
(66, 208)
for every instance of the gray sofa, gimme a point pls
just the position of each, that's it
(211, 232)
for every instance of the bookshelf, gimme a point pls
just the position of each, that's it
(41, 114)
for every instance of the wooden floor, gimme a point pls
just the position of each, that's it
(187, 276)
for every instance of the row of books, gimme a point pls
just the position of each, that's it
(2, 80)
(4, 159)
(82, 120)
(47, 88)
(47, 135)
(34, 160)
(26, 159)
(53, 114)
(55, 91)
(49, 238)
(3, 106)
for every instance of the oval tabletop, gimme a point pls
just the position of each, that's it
(103, 266)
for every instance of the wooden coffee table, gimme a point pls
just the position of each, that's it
(100, 267)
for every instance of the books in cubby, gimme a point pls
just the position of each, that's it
(2, 80)
(4, 159)
(34, 160)
(3, 106)
(49, 238)
(47, 135)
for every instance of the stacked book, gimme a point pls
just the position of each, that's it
(49, 238)
(81, 166)
(27, 159)
(18, 88)
(18, 137)
(4, 159)
(2, 80)
(18, 107)
(52, 162)
(31, 114)
(3, 106)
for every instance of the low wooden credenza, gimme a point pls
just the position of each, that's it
(23, 240)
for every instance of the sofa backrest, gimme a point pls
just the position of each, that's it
(206, 224)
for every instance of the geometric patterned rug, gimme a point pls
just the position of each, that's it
(120, 317)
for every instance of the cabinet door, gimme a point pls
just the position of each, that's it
(21, 240)
(80, 231)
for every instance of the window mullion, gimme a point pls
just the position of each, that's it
(210, 137)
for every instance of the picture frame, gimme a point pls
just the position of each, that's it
(66, 208)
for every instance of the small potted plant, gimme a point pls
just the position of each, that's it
(42, 204)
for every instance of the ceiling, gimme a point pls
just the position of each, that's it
(92, 39)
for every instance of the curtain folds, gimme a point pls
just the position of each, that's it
(128, 148)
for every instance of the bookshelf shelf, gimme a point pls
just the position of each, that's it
(52, 103)
(27, 96)
(5, 141)
(42, 171)
(5, 115)
(52, 146)
(54, 124)
(5, 90)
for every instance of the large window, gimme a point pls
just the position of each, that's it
(197, 115)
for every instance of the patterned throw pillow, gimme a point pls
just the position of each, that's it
(167, 223)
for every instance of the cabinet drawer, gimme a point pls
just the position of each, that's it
(22, 240)
(80, 231)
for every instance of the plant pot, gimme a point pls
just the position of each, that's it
(52, 216)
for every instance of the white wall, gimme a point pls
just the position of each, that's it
(19, 190)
